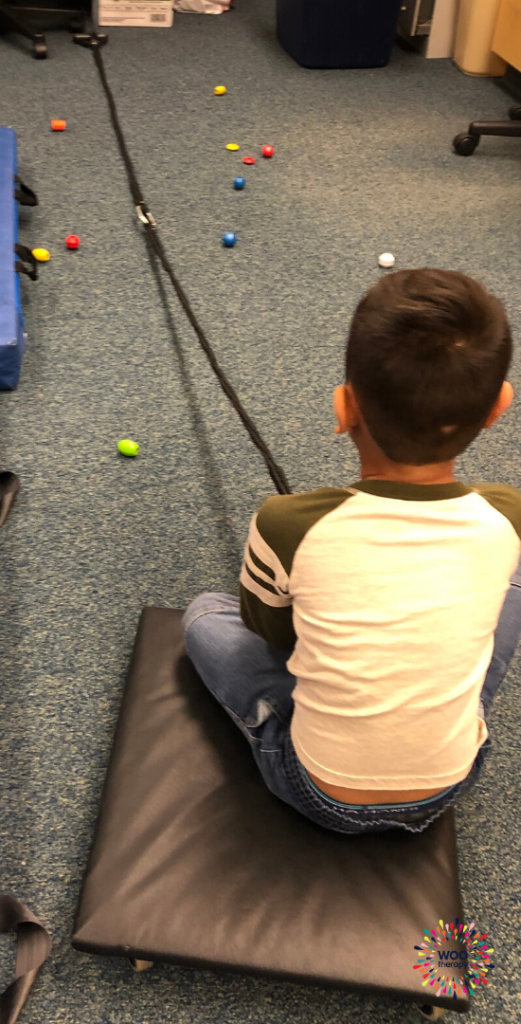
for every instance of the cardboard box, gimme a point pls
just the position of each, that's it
(148, 13)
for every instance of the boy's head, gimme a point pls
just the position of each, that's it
(427, 354)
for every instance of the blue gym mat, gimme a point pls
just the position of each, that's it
(12, 328)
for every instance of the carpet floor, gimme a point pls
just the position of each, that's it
(363, 164)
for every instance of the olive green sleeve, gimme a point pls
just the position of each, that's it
(275, 534)
(275, 625)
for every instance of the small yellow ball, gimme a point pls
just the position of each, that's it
(233, 146)
(128, 448)
(220, 90)
(41, 255)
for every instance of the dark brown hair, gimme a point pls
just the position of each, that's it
(427, 353)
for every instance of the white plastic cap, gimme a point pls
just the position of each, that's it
(386, 259)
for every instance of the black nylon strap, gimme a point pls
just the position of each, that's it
(26, 256)
(94, 42)
(24, 194)
(32, 949)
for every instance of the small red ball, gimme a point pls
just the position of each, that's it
(248, 160)
(72, 242)
(268, 151)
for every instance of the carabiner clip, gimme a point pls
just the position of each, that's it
(145, 215)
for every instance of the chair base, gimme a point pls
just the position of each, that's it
(465, 143)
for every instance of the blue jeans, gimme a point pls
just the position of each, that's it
(249, 678)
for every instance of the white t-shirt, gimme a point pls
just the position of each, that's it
(389, 594)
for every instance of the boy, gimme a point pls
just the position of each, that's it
(365, 649)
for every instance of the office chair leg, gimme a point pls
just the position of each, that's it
(465, 143)
(15, 24)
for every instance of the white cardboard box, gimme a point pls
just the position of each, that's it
(149, 13)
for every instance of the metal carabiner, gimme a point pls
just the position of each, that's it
(145, 216)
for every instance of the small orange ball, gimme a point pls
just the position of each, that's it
(58, 126)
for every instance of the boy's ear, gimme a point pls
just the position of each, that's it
(346, 409)
(502, 403)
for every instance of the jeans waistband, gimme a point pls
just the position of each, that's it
(410, 805)
(349, 818)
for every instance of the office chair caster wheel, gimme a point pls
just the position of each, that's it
(464, 145)
(39, 49)
(431, 1012)
(515, 113)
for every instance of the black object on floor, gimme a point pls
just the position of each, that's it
(195, 862)
(465, 143)
(15, 21)
(9, 487)
(338, 33)
(33, 945)
(31, 21)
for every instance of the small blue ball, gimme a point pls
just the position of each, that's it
(239, 183)
(229, 239)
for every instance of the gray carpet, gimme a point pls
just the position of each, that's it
(363, 164)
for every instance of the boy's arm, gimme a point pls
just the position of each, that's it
(276, 532)
(264, 590)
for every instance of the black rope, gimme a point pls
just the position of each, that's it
(277, 474)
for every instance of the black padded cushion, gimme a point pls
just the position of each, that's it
(195, 862)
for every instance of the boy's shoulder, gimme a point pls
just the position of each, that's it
(306, 506)
(284, 520)
(505, 499)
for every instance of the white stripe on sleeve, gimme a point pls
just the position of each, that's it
(266, 596)
(265, 554)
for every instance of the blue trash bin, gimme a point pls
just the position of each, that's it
(338, 33)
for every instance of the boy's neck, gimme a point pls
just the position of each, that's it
(374, 465)
(425, 475)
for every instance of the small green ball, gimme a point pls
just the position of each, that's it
(129, 448)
